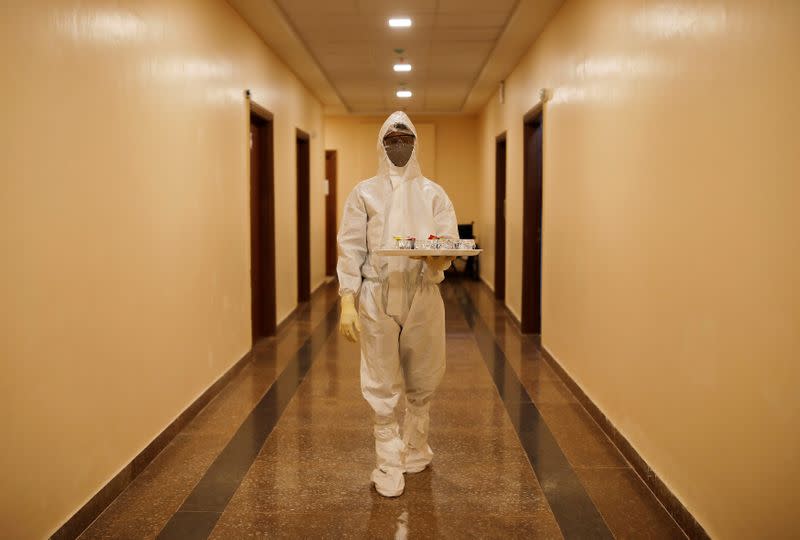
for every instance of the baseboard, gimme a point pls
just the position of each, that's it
(281, 325)
(322, 282)
(488, 285)
(513, 318)
(90, 511)
(671, 503)
(317, 290)
(510, 313)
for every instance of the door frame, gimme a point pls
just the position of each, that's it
(331, 173)
(500, 197)
(533, 187)
(263, 308)
(303, 168)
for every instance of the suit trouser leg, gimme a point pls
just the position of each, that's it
(422, 358)
(382, 386)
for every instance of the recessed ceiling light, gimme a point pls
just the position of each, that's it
(400, 23)
(404, 93)
(402, 67)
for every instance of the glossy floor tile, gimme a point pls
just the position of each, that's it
(286, 449)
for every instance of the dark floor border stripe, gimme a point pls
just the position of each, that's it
(685, 520)
(575, 512)
(201, 510)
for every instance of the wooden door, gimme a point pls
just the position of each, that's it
(303, 218)
(532, 227)
(262, 225)
(500, 218)
(330, 213)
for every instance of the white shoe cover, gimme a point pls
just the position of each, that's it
(389, 482)
(388, 473)
(418, 453)
(417, 460)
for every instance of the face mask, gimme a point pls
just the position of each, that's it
(399, 153)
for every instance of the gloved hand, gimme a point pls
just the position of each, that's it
(438, 264)
(349, 326)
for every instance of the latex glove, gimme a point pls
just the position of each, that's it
(438, 264)
(349, 326)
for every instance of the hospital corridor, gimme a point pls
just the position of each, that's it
(400, 269)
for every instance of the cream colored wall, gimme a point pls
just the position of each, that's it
(448, 155)
(124, 227)
(671, 254)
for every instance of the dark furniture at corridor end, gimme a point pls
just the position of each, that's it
(467, 266)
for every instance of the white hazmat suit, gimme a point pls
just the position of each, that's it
(401, 313)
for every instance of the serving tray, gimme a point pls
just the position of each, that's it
(428, 252)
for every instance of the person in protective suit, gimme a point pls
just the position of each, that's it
(400, 316)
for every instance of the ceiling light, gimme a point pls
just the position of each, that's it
(402, 67)
(404, 93)
(399, 23)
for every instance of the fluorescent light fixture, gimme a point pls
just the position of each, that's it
(404, 93)
(402, 67)
(400, 23)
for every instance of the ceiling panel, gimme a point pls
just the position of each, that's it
(475, 6)
(397, 7)
(466, 34)
(312, 7)
(373, 25)
(461, 51)
(448, 45)
(472, 19)
(356, 49)
(454, 70)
